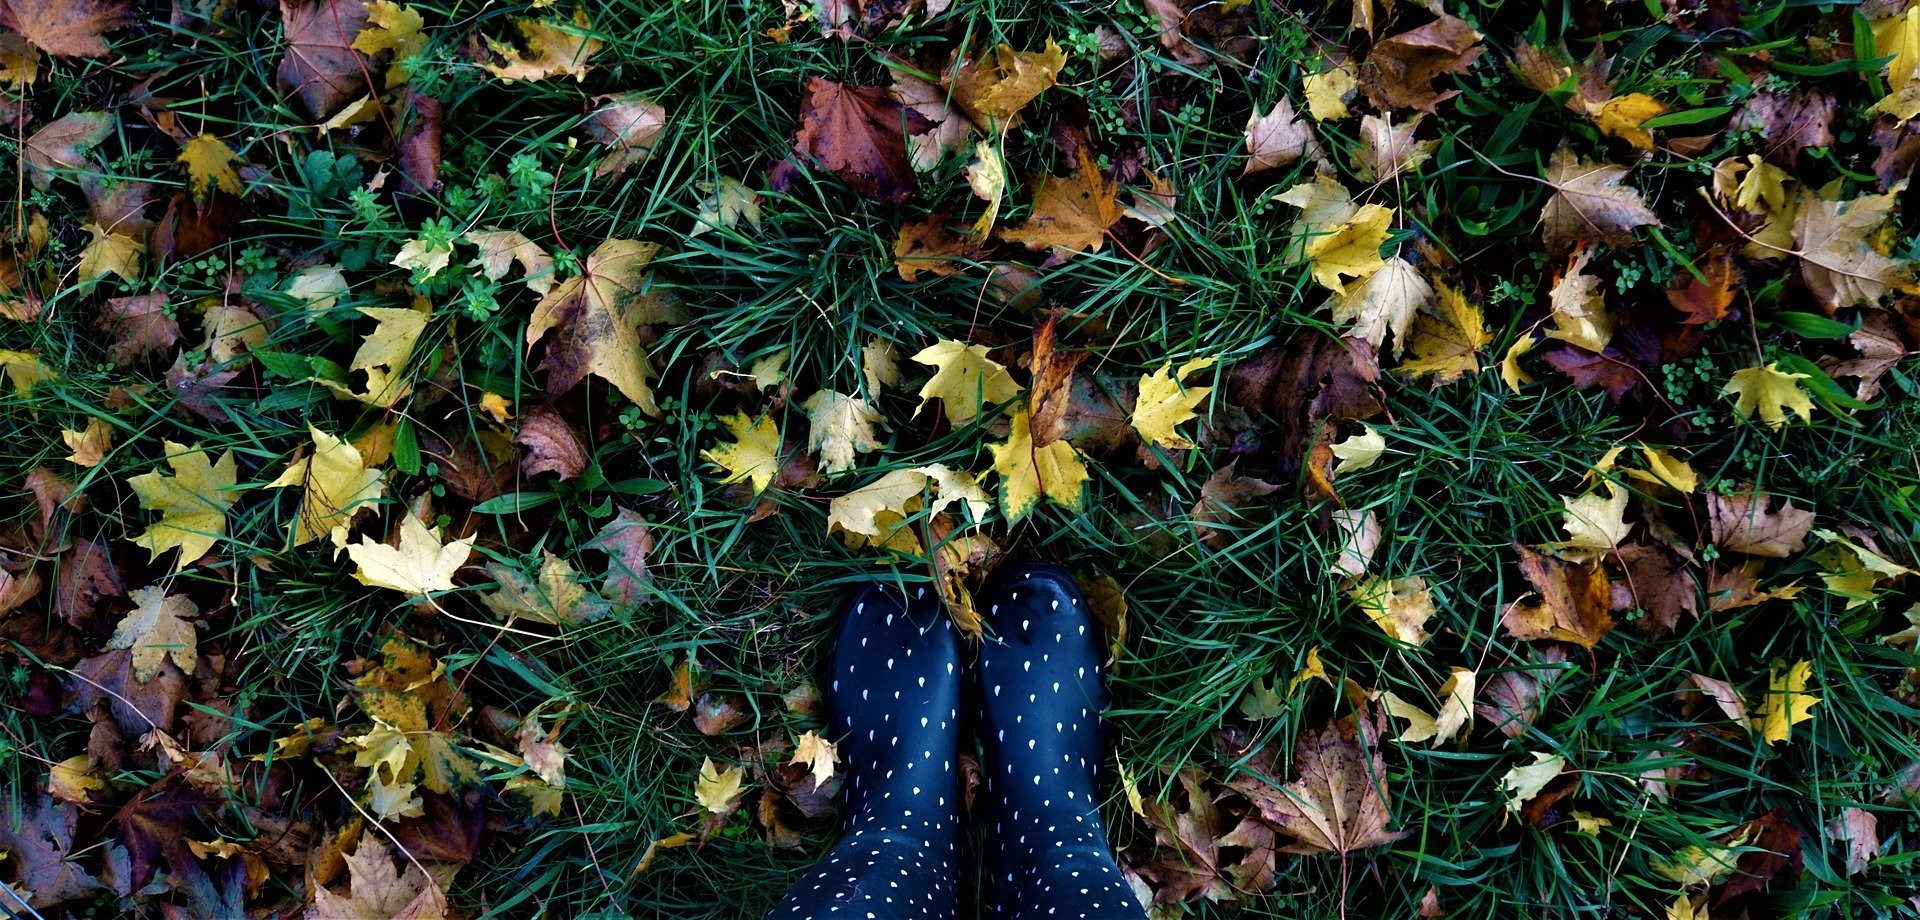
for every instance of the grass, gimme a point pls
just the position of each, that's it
(1471, 467)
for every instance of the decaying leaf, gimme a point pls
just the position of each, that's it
(1839, 263)
(554, 597)
(336, 484)
(855, 132)
(1744, 523)
(552, 48)
(631, 124)
(499, 249)
(1590, 203)
(840, 427)
(1071, 213)
(1279, 138)
(590, 323)
(1401, 70)
(65, 28)
(1446, 340)
(1028, 473)
(1340, 803)
(156, 629)
(1401, 607)
(377, 890)
(1573, 602)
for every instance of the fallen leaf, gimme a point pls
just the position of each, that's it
(987, 176)
(1859, 829)
(1401, 607)
(631, 124)
(1388, 150)
(90, 445)
(1447, 339)
(877, 513)
(594, 317)
(880, 365)
(1400, 71)
(320, 65)
(1624, 116)
(419, 563)
(209, 163)
(499, 249)
(384, 354)
(1589, 203)
(840, 427)
(553, 48)
(1071, 213)
(855, 132)
(395, 28)
(1277, 139)
(1351, 247)
(1595, 524)
(1511, 373)
(818, 755)
(1224, 498)
(728, 202)
(1708, 298)
(1327, 92)
(1360, 451)
(1771, 392)
(109, 254)
(1838, 262)
(627, 541)
(1881, 349)
(1787, 703)
(555, 597)
(1743, 523)
(139, 326)
(193, 502)
(423, 257)
(1163, 404)
(335, 484)
(1360, 536)
(1340, 802)
(157, 629)
(62, 144)
(718, 791)
(1657, 580)
(1579, 309)
(320, 286)
(553, 446)
(1027, 473)
(996, 87)
(1574, 603)
(72, 780)
(964, 378)
(66, 28)
(949, 129)
(40, 843)
(754, 454)
(1663, 467)
(377, 892)
(1522, 783)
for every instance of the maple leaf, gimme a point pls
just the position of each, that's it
(1340, 802)
(109, 254)
(1456, 711)
(552, 444)
(156, 629)
(73, 780)
(193, 502)
(1387, 150)
(1840, 265)
(419, 563)
(1351, 247)
(139, 326)
(1070, 213)
(65, 28)
(1574, 602)
(630, 123)
(209, 163)
(41, 842)
(1401, 607)
(377, 892)
(500, 248)
(1664, 467)
(1279, 138)
(384, 354)
(1522, 783)
(62, 144)
(19, 61)
(626, 540)
(1027, 473)
(555, 597)
(24, 370)
(927, 245)
(1787, 704)
(595, 316)
(1594, 523)
(728, 202)
(718, 791)
(1445, 341)
(996, 88)
(424, 257)
(1743, 523)
(335, 484)
(855, 132)
(1579, 309)
(1400, 71)
(1163, 404)
(1880, 347)
(876, 514)
(395, 28)
(1385, 301)
(1223, 498)
(1623, 116)
(818, 754)
(1589, 203)
(1771, 392)
(320, 65)
(840, 427)
(1327, 93)
(90, 445)
(933, 104)
(754, 455)
(964, 378)
(319, 286)
(554, 48)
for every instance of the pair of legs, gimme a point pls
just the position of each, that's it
(897, 689)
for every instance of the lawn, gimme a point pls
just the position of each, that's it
(437, 437)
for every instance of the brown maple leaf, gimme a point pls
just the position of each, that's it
(590, 322)
(1706, 299)
(1400, 71)
(1589, 203)
(1742, 523)
(630, 123)
(1880, 346)
(626, 540)
(320, 65)
(1511, 697)
(1070, 213)
(1340, 802)
(553, 446)
(41, 844)
(926, 245)
(1051, 395)
(1839, 264)
(1657, 580)
(1587, 369)
(139, 327)
(1217, 515)
(65, 28)
(858, 133)
(1184, 864)
(1573, 606)
(1788, 123)
(1310, 380)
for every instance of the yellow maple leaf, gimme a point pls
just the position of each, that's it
(24, 370)
(337, 484)
(964, 378)
(1579, 309)
(554, 48)
(318, 286)
(424, 257)
(496, 406)
(193, 502)
(1359, 452)
(1054, 471)
(876, 514)
(1771, 392)
(1521, 784)
(1445, 343)
(1350, 248)
(840, 427)
(73, 780)
(1622, 117)
(717, 790)
(155, 630)
(1163, 405)
(1594, 523)
(209, 163)
(384, 354)
(754, 454)
(999, 85)
(555, 596)
(500, 248)
(392, 27)
(1664, 467)
(1787, 704)
(1401, 607)
(818, 754)
(595, 318)
(89, 446)
(109, 254)
(1070, 213)
(1327, 93)
(1510, 372)
(418, 564)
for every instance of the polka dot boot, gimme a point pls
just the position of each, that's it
(1044, 851)
(894, 694)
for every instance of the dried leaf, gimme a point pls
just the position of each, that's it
(594, 317)
(1340, 803)
(1743, 523)
(855, 132)
(630, 123)
(553, 48)
(336, 484)
(1574, 601)
(320, 65)
(1071, 213)
(157, 629)
(552, 444)
(1400, 71)
(1589, 203)
(419, 563)
(377, 892)
(193, 502)
(66, 28)
(1277, 139)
